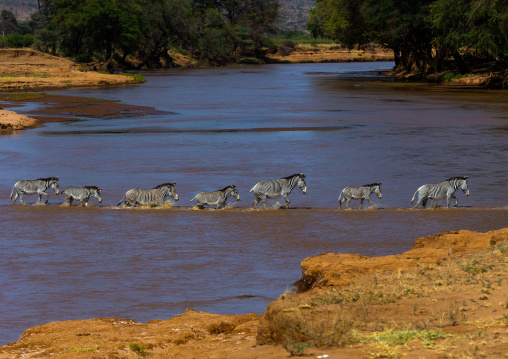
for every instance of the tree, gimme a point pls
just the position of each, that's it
(8, 23)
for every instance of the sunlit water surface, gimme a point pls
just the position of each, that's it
(340, 124)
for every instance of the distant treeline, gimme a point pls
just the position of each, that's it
(422, 33)
(215, 31)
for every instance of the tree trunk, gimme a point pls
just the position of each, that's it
(396, 54)
(460, 63)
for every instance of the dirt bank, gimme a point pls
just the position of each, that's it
(28, 70)
(446, 297)
(330, 53)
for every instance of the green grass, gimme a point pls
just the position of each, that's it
(451, 76)
(84, 350)
(139, 349)
(393, 337)
(23, 96)
(138, 79)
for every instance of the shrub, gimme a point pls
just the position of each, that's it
(221, 328)
(28, 40)
(15, 41)
(138, 349)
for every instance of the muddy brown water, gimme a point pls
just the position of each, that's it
(340, 124)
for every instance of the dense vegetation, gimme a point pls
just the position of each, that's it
(216, 31)
(422, 33)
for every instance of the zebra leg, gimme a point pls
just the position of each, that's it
(424, 202)
(287, 201)
(43, 194)
(69, 200)
(21, 198)
(372, 204)
(361, 203)
(456, 200)
(263, 202)
(15, 197)
(420, 200)
(255, 202)
(347, 203)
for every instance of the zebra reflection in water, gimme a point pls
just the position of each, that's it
(441, 191)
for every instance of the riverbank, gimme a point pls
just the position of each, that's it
(444, 297)
(305, 53)
(28, 70)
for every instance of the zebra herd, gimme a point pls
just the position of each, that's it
(262, 190)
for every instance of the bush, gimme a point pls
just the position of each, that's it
(289, 44)
(28, 40)
(15, 41)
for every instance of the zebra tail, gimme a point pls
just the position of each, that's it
(193, 198)
(340, 195)
(252, 189)
(412, 199)
(121, 200)
(12, 192)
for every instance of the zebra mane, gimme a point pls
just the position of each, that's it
(48, 179)
(295, 175)
(463, 178)
(93, 187)
(165, 185)
(372, 185)
(225, 188)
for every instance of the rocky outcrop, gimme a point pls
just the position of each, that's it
(338, 270)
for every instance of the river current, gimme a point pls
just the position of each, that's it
(340, 124)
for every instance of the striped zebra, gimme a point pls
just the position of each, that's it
(82, 194)
(277, 188)
(217, 198)
(362, 193)
(38, 186)
(441, 191)
(152, 197)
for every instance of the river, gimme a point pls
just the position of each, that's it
(340, 124)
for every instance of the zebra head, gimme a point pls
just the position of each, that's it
(95, 192)
(52, 182)
(234, 192)
(460, 183)
(172, 191)
(463, 186)
(377, 189)
(301, 183)
(167, 189)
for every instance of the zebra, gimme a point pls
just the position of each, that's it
(441, 190)
(277, 188)
(38, 186)
(152, 197)
(360, 193)
(82, 194)
(217, 198)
